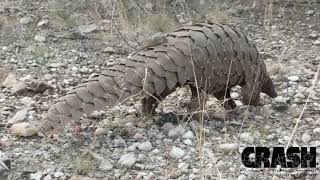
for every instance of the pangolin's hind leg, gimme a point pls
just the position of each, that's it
(196, 104)
(228, 101)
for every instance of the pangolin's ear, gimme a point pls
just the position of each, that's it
(268, 87)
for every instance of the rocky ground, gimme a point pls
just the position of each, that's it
(40, 62)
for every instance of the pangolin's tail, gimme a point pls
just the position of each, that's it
(150, 72)
(104, 90)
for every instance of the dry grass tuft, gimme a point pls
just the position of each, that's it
(82, 163)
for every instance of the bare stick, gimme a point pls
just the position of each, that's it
(118, 30)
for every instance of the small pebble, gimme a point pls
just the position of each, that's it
(138, 136)
(306, 138)
(177, 153)
(26, 20)
(36, 176)
(293, 78)
(58, 174)
(47, 177)
(310, 12)
(246, 138)
(188, 135)
(317, 42)
(316, 130)
(39, 38)
(105, 165)
(99, 131)
(227, 147)
(188, 142)
(242, 177)
(175, 132)
(127, 160)
(183, 167)
(145, 146)
(84, 70)
(133, 147)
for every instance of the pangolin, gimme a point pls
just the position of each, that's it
(210, 58)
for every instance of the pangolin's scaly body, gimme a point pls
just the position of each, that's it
(209, 56)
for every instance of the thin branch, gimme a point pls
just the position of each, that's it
(117, 28)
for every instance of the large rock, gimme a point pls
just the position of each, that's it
(127, 160)
(19, 88)
(23, 129)
(84, 29)
(18, 117)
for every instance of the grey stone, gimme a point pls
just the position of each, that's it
(84, 69)
(310, 12)
(235, 95)
(175, 132)
(127, 160)
(40, 38)
(109, 50)
(316, 130)
(227, 147)
(84, 29)
(43, 22)
(317, 42)
(36, 176)
(9, 79)
(177, 153)
(26, 20)
(242, 177)
(145, 146)
(293, 78)
(19, 88)
(28, 101)
(246, 138)
(58, 174)
(188, 142)
(306, 138)
(20, 116)
(105, 165)
(183, 167)
(313, 35)
(188, 135)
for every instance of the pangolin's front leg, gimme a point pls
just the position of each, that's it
(228, 101)
(250, 93)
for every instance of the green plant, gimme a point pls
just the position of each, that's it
(39, 53)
